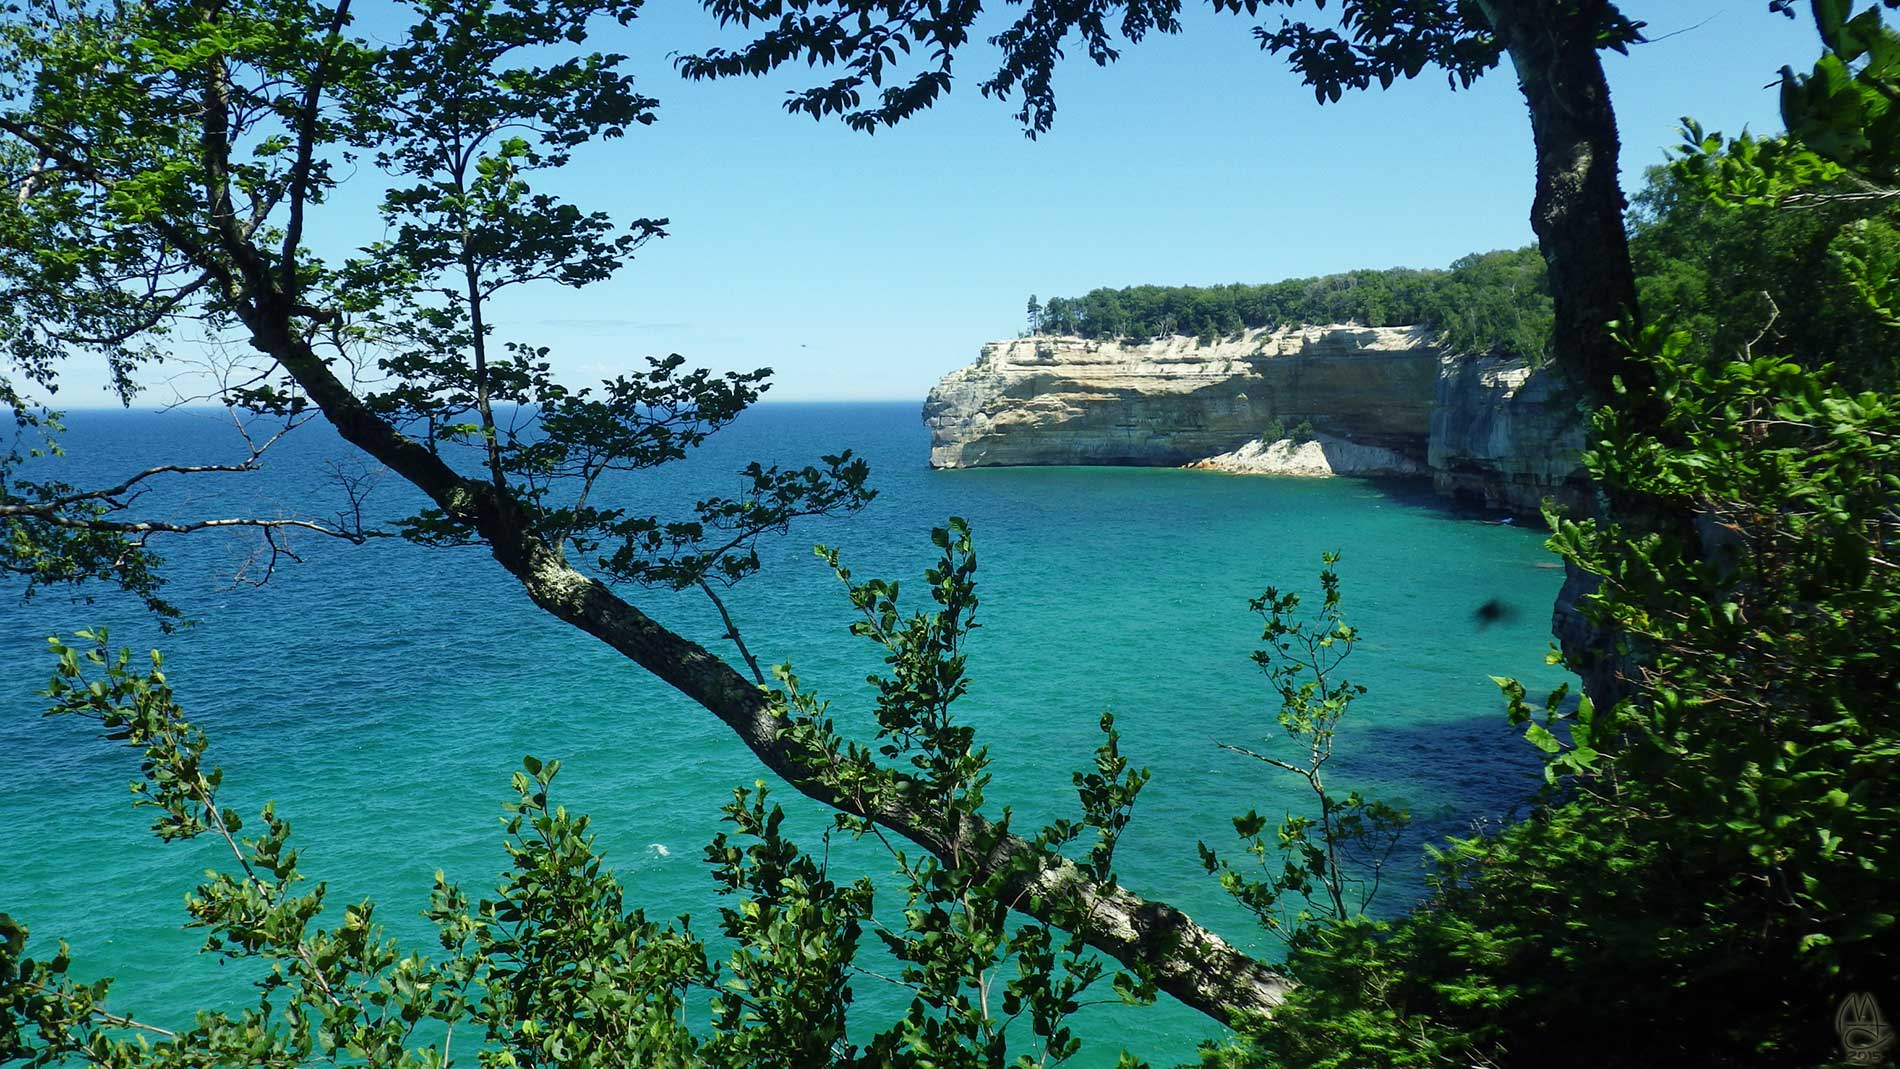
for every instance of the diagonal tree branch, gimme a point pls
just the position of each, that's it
(147, 527)
(1154, 939)
(299, 180)
(1187, 961)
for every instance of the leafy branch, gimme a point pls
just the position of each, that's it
(1332, 865)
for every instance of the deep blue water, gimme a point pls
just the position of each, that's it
(382, 694)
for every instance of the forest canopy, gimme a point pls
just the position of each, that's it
(1485, 302)
(1729, 274)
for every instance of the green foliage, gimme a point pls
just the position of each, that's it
(1843, 111)
(1712, 863)
(554, 970)
(798, 932)
(1718, 246)
(47, 553)
(1486, 302)
(1865, 257)
(975, 971)
(1843, 132)
(169, 163)
(51, 555)
(1768, 702)
(1749, 169)
(1794, 238)
(343, 992)
(1812, 282)
(1330, 865)
(1715, 862)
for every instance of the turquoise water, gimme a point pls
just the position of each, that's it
(382, 694)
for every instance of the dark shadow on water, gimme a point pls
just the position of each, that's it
(1471, 768)
(1417, 494)
(1465, 777)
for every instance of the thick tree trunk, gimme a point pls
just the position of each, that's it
(1577, 214)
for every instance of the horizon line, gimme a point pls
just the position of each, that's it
(761, 403)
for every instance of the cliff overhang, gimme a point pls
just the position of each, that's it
(1484, 428)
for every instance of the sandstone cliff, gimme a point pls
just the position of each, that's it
(1048, 400)
(1488, 429)
(1505, 435)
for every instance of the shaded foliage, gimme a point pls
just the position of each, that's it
(1714, 861)
(1821, 280)
(1737, 275)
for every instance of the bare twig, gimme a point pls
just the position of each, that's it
(151, 527)
(732, 631)
(1774, 313)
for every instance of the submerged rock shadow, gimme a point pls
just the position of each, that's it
(1458, 778)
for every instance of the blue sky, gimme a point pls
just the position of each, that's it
(866, 267)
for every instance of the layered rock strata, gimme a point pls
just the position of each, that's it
(1506, 435)
(1488, 429)
(1047, 400)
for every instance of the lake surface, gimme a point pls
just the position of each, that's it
(383, 694)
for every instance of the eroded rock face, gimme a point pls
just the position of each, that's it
(1387, 399)
(1318, 457)
(1071, 401)
(1506, 435)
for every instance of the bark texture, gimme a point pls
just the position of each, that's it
(1578, 210)
(1578, 216)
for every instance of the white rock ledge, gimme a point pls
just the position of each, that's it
(1319, 457)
